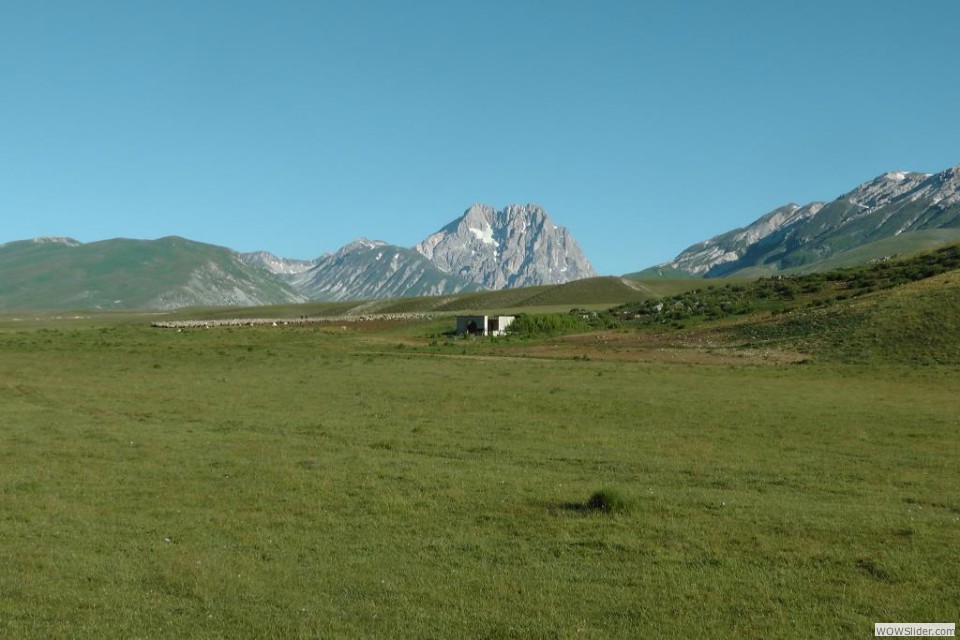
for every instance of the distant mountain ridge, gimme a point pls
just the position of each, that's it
(897, 204)
(518, 246)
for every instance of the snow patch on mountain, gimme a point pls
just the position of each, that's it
(484, 235)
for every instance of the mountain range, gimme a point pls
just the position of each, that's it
(483, 249)
(896, 212)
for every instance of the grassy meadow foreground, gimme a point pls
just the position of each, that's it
(382, 480)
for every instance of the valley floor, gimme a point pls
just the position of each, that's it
(322, 481)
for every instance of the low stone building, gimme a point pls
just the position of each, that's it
(483, 325)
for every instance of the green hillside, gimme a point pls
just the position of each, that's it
(914, 323)
(130, 274)
(905, 310)
(906, 243)
(658, 272)
(589, 291)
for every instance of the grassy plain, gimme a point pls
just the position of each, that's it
(301, 482)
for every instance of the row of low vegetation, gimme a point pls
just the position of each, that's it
(553, 324)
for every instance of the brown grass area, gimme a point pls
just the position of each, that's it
(688, 347)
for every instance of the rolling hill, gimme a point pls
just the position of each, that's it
(899, 310)
(168, 273)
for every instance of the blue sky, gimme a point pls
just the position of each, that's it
(295, 127)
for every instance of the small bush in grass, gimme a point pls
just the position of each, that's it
(608, 501)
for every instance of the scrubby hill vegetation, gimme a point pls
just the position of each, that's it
(780, 294)
(893, 310)
(905, 311)
(917, 323)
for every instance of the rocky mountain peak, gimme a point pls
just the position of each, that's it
(513, 247)
(361, 244)
(479, 214)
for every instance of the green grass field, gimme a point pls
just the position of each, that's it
(357, 482)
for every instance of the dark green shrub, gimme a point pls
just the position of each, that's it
(608, 501)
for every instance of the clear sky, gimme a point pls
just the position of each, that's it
(295, 127)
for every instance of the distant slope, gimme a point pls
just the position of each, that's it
(729, 248)
(600, 292)
(911, 242)
(891, 207)
(659, 272)
(168, 273)
(370, 269)
(590, 291)
(594, 292)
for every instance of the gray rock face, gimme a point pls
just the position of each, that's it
(369, 269)
(730, 246)
(886, 188)
(892, 204)
(516, 247)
